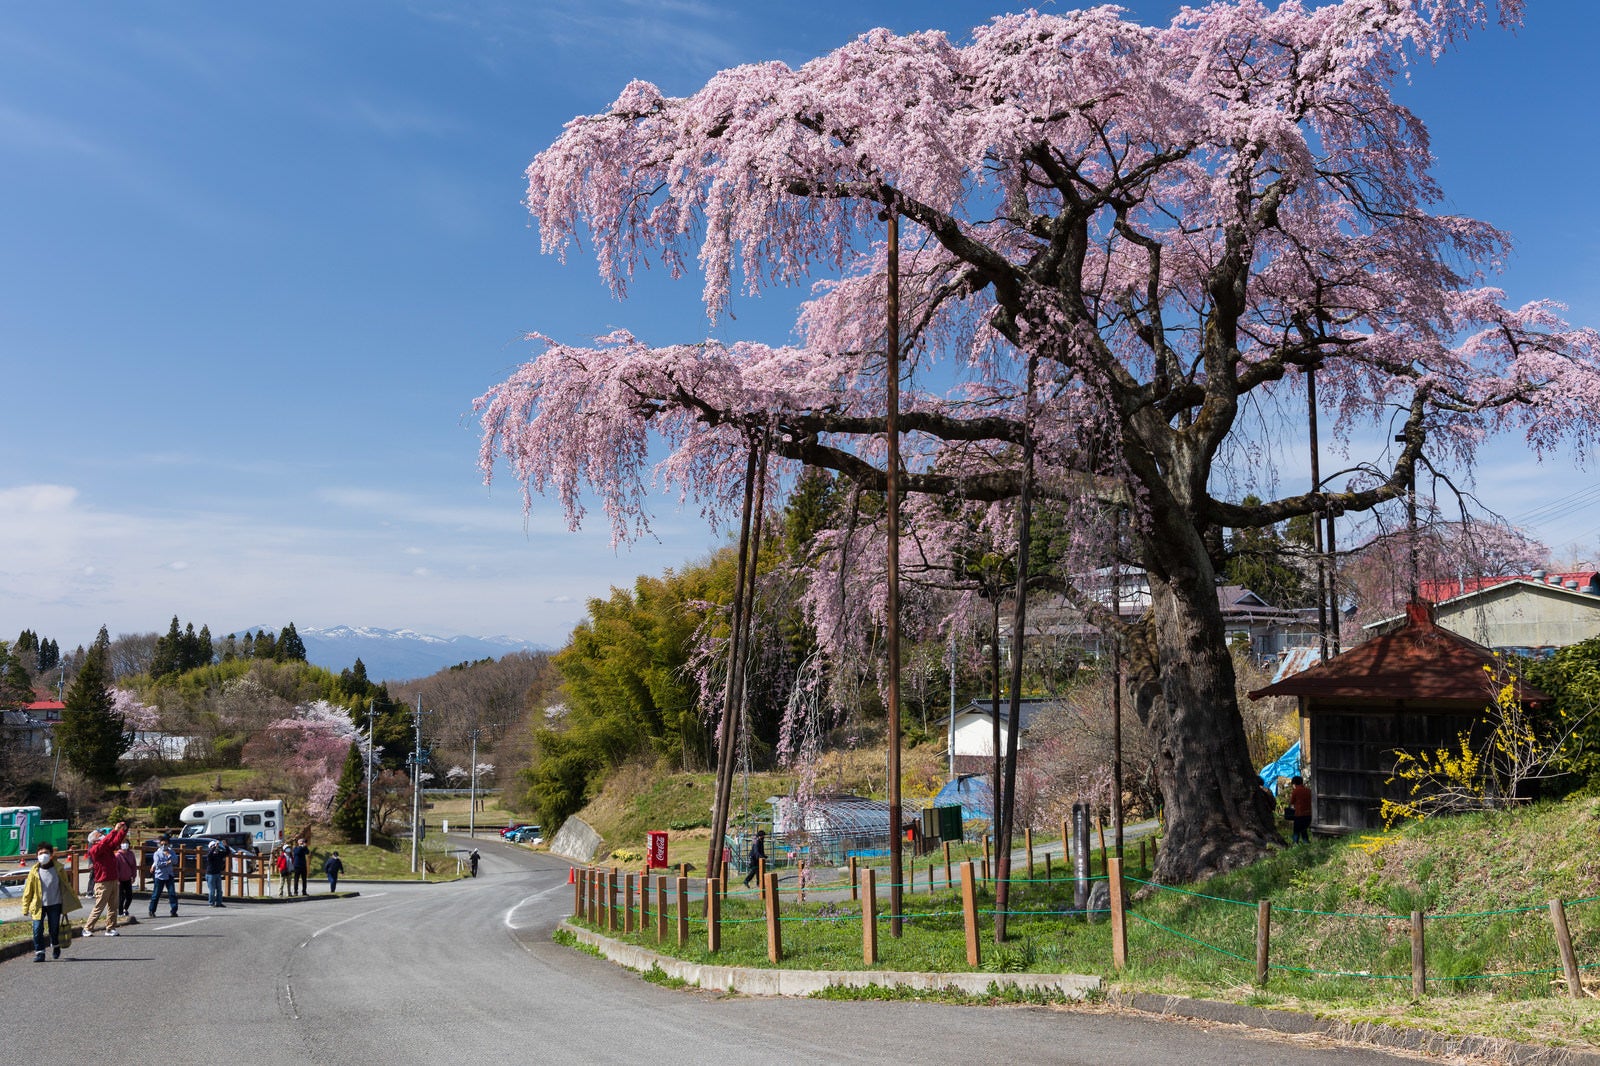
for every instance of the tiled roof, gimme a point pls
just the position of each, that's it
(1419, 661)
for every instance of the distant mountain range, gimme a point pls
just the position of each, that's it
(396, 654)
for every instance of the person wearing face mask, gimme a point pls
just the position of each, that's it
(127, 870)
(107, 880)
(163, 876)
(46, 896)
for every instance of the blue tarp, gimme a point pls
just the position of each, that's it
(972, 792)
(1285, 765)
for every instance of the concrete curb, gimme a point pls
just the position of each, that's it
(753, 981)
(1373, 1034)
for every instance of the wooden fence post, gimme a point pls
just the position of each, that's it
(947, 877)
(722, 882)
(1263, 940)
(855, 893)
(627, 903)
(969, 912)
(1047, 866)
(1569, 958)
(713, 916)
(986, 856)
(1027, 842)
(1419, 958)
(1119, 916)
(683, 910)
(577, 896)
(769, 889)
(869, 918)
(661, 907)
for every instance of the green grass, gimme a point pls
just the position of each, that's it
(1340, 928)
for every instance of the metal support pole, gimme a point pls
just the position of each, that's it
(416, 785)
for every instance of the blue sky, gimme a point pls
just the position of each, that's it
(257, 260)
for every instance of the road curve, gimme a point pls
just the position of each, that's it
(466, 972)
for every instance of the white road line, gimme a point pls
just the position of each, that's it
(526, 900)
(164, 926)
(346, 921)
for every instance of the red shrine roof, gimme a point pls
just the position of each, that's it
(1420, 662)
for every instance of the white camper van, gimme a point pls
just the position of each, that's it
(261, 819)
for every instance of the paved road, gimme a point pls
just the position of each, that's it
(467, 973)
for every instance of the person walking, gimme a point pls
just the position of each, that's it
(164, 876)
(280, 863)
(1300, 805)
(46, 895)
(106, 876)
(473, 859)
(216, 868)
(333, 867)
(758, 852)
(127, 870)
(299, 862)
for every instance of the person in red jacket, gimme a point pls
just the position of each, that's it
(106, 876)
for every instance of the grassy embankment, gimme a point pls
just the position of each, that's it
(1340, 928)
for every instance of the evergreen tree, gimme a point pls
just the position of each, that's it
(349, 814)
(205, 653)
(91, 732)
(167, 657)
(230, 648)
(16, 687)
(188, 649)
(49, 655)
(264, 646)
(290, 647)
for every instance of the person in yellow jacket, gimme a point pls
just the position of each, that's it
(48, 894)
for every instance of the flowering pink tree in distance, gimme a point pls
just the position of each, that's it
(1130, 240)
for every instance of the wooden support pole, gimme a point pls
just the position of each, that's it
(577, 897)
(869, 918)
(722, 882)
(1419, 958)
(1263, 940)
(1119, 916)
(683, 910)
(969, 913)
(1100, 829)
(1569, 958)
(854, 891)
(769, 889)
(1144, 864)
(986, 856)
(644, 900)
(947, 878)
(1047, 866)
(627, 903)
(713, 916)
(661, 908)
(1027, 842)
(611, 900)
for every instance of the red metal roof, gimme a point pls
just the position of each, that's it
(44, 705)
(1439, 591)
(1420, 661)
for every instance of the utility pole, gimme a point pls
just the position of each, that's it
(370, 734)
(416, 785)
(472, 792)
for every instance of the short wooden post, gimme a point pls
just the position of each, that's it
(722, 882)
(577, 897)
(1144, 864)
(869, 918)
(769, 889)
(1066, 846)
(713, 916)
(1047, 866)
(644, 900)
(611, 900)
(1027, 842)
(627, 903)
(855, 893)
(1100, 828)
(986, 856)
(661, 908)
(947, 878)
(1419, 958)
(1119, 916)
(683, 869)
(1263, 940)
(969, 912)
(1569, 958)
(761, 873)
(683, 910)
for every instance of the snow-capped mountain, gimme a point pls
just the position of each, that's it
(396, 654)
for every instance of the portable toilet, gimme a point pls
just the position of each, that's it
(19, 830)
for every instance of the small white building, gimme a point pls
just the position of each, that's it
(971, 732)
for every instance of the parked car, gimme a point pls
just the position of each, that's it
(508, 830)
(528, 834)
